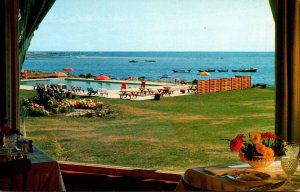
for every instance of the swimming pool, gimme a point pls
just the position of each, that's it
(83, 83)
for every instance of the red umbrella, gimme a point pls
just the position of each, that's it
(102, 77)
(68, 69)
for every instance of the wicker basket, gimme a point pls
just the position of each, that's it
(259, 162)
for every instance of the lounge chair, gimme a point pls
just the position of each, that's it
(91, 91)
(143, 90)
(76, 89)
(103, 92)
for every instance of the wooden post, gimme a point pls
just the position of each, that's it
(3, 66)
(15, 72)
(9, 62)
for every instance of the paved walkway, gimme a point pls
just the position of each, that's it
(115, 94)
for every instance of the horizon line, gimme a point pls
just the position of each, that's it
(136, 51)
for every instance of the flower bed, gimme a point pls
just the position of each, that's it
(91, 107)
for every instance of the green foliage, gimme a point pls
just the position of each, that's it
(57, 149)
(56, 107)
(29, 107)
(32, 106)
(86, 104)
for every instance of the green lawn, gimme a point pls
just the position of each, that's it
(174, 133)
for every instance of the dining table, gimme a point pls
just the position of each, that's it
(222, 177)
(144, 91)
(44, 174)
(164, 91)
(129, 93)
(192, 88)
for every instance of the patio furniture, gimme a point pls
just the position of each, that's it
(128, 94)
(166, 91)
(76, 89)
(143, 91)
(91, 91)
(192, 88)
(150, 91)
(143, 84)
(103, 92)
(123, 85)
(123, 94)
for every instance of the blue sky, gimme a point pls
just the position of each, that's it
(156, 25)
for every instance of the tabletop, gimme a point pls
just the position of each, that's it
(214, 178)
(129, 93)
(44, 175)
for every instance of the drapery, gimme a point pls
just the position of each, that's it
(31, 13)
(19, 20)
(287, 70)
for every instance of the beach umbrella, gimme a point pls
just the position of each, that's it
(61, 74)
(68, 69)
(102, 77)
(204, 73)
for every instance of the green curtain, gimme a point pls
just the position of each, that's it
(287, 68)
(272, 5)
(31, 13)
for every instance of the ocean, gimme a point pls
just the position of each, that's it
(117, 65)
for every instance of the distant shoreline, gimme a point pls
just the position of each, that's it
(29, 52)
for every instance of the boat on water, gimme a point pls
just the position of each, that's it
(206, 70)
(222, 70)
(182, 71)
(150, 61)
(244, 70)
(165, 76)
(133, 61)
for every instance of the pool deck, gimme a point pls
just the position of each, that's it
(115, 94)
(122, 81)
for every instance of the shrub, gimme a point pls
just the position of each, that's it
(55, 106)
(34, 109)
(86, 104)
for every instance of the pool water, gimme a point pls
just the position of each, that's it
(84, 84)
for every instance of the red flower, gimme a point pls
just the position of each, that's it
(5, 129)
(236, 144)
(268, 135)
(242, 157)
